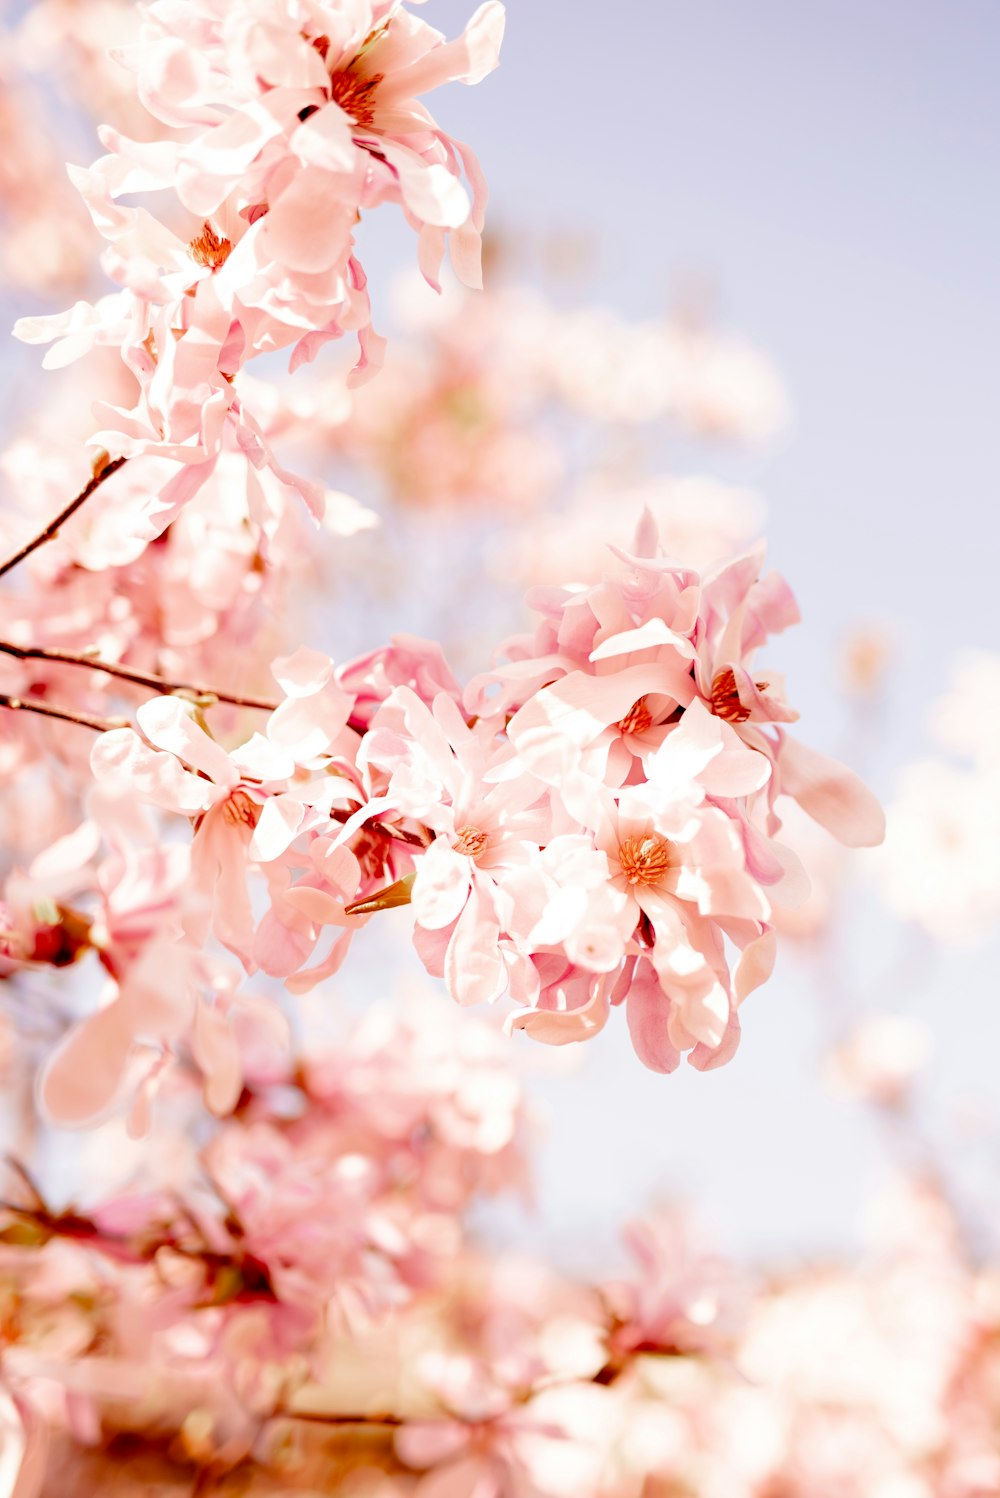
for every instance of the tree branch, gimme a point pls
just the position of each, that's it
(52, 529)
(84, 720)
(126, 673)
(311, 1417)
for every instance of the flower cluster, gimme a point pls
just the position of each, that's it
(332, 1198)
(604, 823)
(593, 822)
(282, 127)
(308, 1308)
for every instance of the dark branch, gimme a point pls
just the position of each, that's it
(126, 673)
(85, 720)
(52, 529)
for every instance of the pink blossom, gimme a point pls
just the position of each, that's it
(287, 130)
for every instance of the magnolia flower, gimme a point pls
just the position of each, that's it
(286, 125)
(480, 831)
(244, 805)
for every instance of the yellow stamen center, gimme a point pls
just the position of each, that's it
(645, 860)
(725, 697)
(356, 96)
(240, 810)
(471, 841)
(210, 249)
(637, 719)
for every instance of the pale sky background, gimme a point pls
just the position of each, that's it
(831, 170)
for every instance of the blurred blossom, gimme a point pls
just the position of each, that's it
(706, 382)
(880, 1058)
(47, 241)
(700, 520)
(453, 419)
(865, 658)
(71, 44)
(940, 864)
(966, 720)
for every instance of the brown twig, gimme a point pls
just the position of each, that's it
(85, 720)
(126, 673)
(52, 529)
(311, 1417)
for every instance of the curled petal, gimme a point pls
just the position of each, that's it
(431, 193)
(122, 762)
(755, 965)
(468, 59)
(24, 1444)
(167, 723)
(832, 794)
(708, 1057)
(563, 1026)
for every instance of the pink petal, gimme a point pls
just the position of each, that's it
(467, 59)
(430, 191)
(832, 794)
(215, 1051)
(308, 228)
(279, 822)
(647, 1010)
(167, 723)
(305, 981)
(755, 965)
(122, 762)
(708, 1057)
(645, 636)
(303, 672)
(29, 1478)
(315, 905)
(474, 969)
(736, 772)
(564, 1026)
(84, 1073)
(325, 140)
(441, 887)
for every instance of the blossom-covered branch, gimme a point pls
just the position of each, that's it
(279, 129)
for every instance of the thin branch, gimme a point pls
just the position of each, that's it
(311, 1417)
(52, 529)
(85, 720)
(126, 673)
